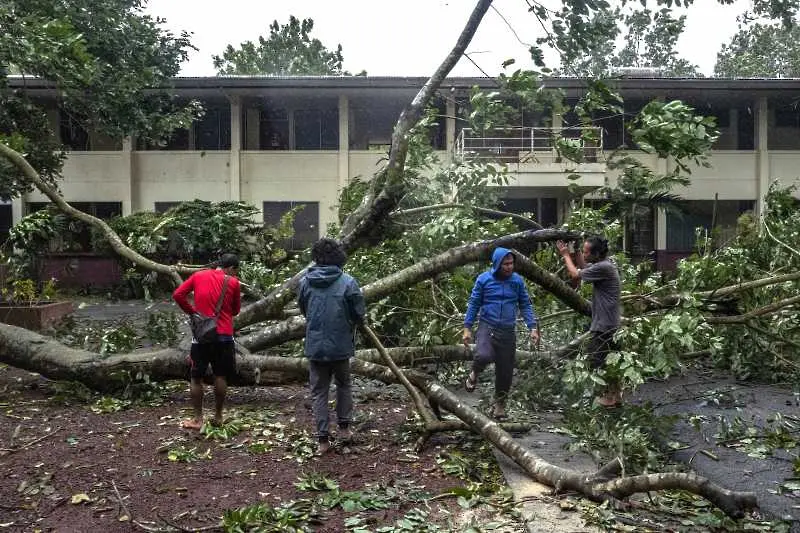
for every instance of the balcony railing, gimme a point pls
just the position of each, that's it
(532, 145)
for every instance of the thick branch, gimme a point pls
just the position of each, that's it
(387, 360)
(530, 224)
(29, 350)
(732, 503)
(362, 221)
(552, 284)
(746, 317)
(113, 239)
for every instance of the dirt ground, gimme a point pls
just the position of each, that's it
(72, 465)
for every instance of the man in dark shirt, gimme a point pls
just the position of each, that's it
(604, 277)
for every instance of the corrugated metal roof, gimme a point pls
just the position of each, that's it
(408, 82)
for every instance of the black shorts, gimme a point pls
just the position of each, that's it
(220, 355)
(600, 344)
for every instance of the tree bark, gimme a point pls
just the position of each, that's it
(734, 504)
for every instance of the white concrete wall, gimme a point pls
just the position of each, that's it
(365, 163)
(732, 175)
(784, 166)
(292, 176)
(186, 175)
(92, 177)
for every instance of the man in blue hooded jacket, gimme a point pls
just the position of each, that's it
(497, 296)
(333, 305)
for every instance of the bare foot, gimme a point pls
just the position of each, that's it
(192, 423)
(609, 400)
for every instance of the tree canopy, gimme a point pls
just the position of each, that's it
(110, 64)
(761, 50)
(648, 38)
(288, 51)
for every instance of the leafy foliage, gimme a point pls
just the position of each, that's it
(288, 51)
(108, 62)
(297, 516)
(761, 50)
(673, 129)
(650, 39)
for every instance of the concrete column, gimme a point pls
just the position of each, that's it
(290, 116)
(762, 153)
(17, 209)
(344, 141)
(661, 230)
(662, 168)
(450, 126)
(558, 123)
(234, 189)
(131, 201)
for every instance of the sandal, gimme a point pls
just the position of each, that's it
(470, 383)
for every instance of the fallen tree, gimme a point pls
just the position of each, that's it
(28, 350)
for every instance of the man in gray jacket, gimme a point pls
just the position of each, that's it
(333, 305)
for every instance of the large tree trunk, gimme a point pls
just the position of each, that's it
(28, 350)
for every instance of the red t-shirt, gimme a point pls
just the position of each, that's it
(207, 286)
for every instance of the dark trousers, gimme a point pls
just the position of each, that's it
(600, 344)
(320, 374)
(498, 346)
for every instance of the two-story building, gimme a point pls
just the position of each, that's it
(276, 142)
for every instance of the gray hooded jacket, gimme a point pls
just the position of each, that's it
(333, 304)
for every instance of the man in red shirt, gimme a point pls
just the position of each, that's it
(207, 286)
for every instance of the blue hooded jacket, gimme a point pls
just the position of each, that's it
(333, 304)
(497, 299)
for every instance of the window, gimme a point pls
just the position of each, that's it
(274, 129)
(83, 235)
(178, 140)
(213, 132)
(681, 228)
(6, 221)
(163, 207)
(73, 135)
(545, 210)
(787, 117)
(316, 129)
(306, 221)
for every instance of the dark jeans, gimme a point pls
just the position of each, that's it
(600, 344)
(320, 374)
(498, 346)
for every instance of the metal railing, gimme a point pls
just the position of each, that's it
(532, 145)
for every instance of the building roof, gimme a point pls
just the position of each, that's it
(690, 87)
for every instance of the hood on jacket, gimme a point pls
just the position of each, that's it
(497, 259)
(322, 276)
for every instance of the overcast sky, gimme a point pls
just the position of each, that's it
(405, 37)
